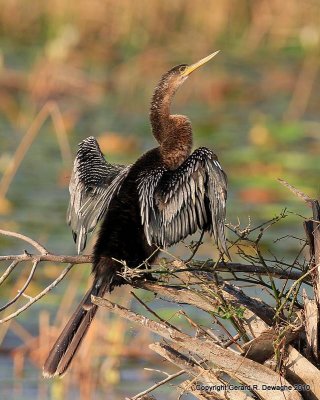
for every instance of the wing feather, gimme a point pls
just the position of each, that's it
(174, 204)
(93, 183)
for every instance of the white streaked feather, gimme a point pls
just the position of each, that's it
(189, 198)
(92, 185)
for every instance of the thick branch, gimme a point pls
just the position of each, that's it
(188, 365)
(208, 265)
(262, 347)
(82, 259)
(300, 370)
(255, 313)
(246, 268)
(207, 377)
(190, 387)
(195, 265)
(247, 371)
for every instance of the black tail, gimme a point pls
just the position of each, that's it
(69, 341)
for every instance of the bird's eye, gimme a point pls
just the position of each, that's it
(182, 69)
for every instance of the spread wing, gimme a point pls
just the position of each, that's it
(174, 204)
(93, 183)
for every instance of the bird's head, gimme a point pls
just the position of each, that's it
(178, 74)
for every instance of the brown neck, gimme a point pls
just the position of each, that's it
(173, 132)
(160, 110)
(177, 145)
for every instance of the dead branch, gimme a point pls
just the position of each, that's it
(198, 372)
(202, 301)
(240, 368)
(262, 347)
(178, 294)
(188, 365)
(296, 192)
(301, 371)
(21, 292)
(155, 386)
(33, 243)
(205, 266)
(32, 300)
(311, 318)
(60, 259)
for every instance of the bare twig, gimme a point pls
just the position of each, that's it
(81, 259)
(8, 271)
(297, 192)
(196, 247)
(39, 296)
(21, 292)
(155, 386)
(33, 243)
(152, 312)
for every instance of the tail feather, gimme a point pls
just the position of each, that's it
(69, 341)
(76, 341)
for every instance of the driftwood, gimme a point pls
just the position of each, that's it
(224, 360)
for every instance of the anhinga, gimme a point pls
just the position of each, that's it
(166, 195)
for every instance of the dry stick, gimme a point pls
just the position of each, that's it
(297, 192)
(193, 369)
(300, 370)
(232, 339)
(311, 318)
(20, 292)
(224, 304)
(81, 259)
(238, 267)
(33, 243)
(209, 377)
(153, 312)
(195, 249)
(39, 296)
(8, 271)
(155, 386)
(247, 371)
(233, 295)
(297, 282)
(28, 138)
(194, 266)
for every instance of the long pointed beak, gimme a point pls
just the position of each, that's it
(198, 64)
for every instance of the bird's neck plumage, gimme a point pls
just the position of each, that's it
(173, 132)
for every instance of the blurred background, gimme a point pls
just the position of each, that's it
(69, 70)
